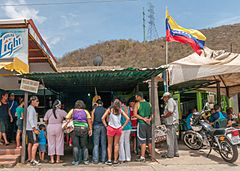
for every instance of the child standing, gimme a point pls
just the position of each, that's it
(42, 142)
(19, 114)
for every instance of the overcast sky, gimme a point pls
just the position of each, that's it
(69, 27)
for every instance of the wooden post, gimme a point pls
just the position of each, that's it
(218, 93)
(23, 152)
(44, 96)
(44, 99)
(153, 115)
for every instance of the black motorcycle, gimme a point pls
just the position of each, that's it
(223, 140)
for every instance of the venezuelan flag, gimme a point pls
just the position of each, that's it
(176, 33)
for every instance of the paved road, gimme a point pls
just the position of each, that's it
(188, 161)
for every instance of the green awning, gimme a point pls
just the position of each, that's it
(103, 80)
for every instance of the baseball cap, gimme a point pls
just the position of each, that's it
(12, 94)
(166, 94)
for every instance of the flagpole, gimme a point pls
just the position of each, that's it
(166, 51)
(166, 71)
(166, 60)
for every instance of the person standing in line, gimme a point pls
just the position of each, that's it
(134, 124)
(124, 150)
(171, 120)
(20, 115)
(82, 128)
(114, 129)
(42, 139)
(99, 133)
(143, 112)
(32, 131)
(55, 135)
(12, 104)
(5, 116)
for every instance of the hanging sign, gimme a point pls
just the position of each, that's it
(29, 85)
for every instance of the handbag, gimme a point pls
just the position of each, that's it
(68, 126)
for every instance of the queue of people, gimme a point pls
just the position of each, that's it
(111, 130)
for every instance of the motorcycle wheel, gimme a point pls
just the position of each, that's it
(192, 141)
(228, 152)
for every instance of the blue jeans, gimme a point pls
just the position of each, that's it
(99, 135)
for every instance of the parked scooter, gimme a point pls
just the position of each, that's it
(223, 140)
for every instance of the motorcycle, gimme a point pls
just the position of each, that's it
(222, 140)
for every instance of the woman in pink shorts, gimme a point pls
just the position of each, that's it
(114, 129)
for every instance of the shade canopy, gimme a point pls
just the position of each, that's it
(103, 80)
(218, 66)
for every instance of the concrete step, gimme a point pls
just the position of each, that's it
(9, 156)
(10, 151)
(4, 158)
(8, 164)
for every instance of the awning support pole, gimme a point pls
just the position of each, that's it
(153, 115)
(23, 152)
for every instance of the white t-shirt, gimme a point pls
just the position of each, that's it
(32, 118)
(171, 106)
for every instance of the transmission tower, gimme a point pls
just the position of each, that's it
(144, 26)
(152, 30)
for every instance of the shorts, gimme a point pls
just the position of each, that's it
(20, 124)
(32, 137)
(42, 148)
(144, 133)
(2, 126)
(134, 132)
(114, 131)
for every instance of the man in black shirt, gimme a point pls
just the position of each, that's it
(5, 115)
(99, 133)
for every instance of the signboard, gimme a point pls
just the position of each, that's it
(14, 44)
(29, 85)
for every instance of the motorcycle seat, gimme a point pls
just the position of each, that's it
(220, 131)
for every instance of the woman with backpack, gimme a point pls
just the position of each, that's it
(82, 128)
(55, 135)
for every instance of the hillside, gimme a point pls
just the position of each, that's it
(129, 53)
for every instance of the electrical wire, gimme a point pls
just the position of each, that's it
(67, 3)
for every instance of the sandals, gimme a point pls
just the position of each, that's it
(51, 162)
(59, 161)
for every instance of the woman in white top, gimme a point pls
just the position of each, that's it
(114, 129)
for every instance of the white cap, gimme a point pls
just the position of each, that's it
(166, 94)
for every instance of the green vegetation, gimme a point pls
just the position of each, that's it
(129, 53)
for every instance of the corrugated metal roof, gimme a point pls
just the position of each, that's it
(103, 80)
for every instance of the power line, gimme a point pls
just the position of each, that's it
(67, 3)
